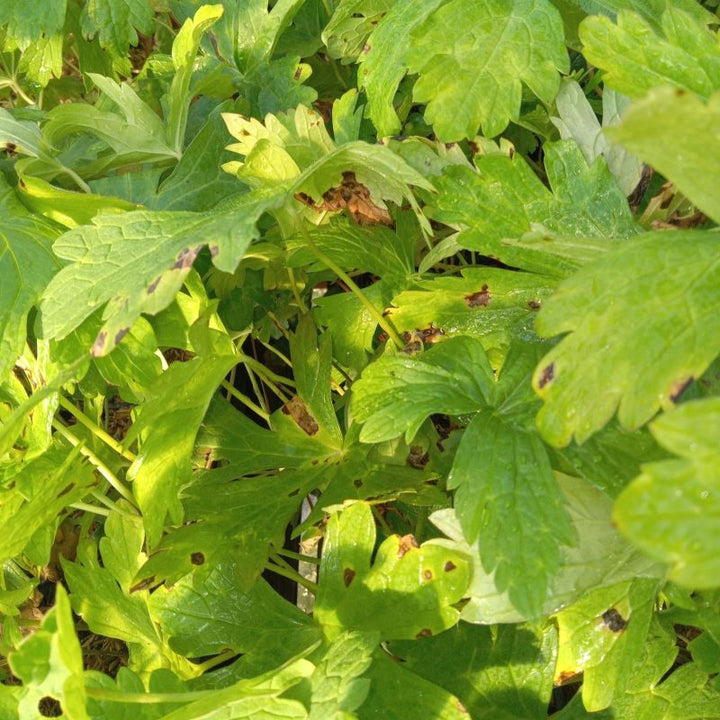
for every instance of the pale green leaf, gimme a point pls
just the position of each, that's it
(602, 635)
(408, 590)
(504, 199)
(49, 662)
(669, 285)
(673, 507)
(26, 23)
(673, 132)
(498, 674)
(167, 423)
(351, 23)
(398, 392)
(27, 265)
(138, 261)
(598, 558)
(507, 498)
(476, 81)
(651, 10)
(635, 57)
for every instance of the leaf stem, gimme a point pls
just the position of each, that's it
(217, 660)
(245, 401)
(291, 575)
(298, 556)
(146, 698)
(96, 430)
(384, 323)
(86, 507)
(99, 465)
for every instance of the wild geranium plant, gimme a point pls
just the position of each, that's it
(360, 359)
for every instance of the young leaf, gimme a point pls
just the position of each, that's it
(635, 58)
(49, 663)
(691, 160)
(27, 265)
(495, 49)
(407, 592)
(683, 493)
(138, 261)
(507, 497)
(605, 363)
(505, 673)
(398, 392)
(116, 22)
(505, 199)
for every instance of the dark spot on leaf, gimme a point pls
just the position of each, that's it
(121, 334)
(152, 287)
(478, 299)
(143, 584)
(407, 543)
(11, 150)
(185, 259)
(197, 558)
(417, 457)
(425, 632)
(294, 492)
(49, 707)
(534, 304)
(474, 149)
(366, 49)
(348, 576)
(546, 375)
(449, 566)
(298, 74)
(358, 483)
(614, 621)
(66, 490)
(678, 388)
(298, 411)
(428, 575)
(99, 344)
(679, 92)
(511, 152)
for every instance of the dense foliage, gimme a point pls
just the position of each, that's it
(412, 306)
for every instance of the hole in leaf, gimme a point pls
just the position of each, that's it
(49, 707)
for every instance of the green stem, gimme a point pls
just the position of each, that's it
(245, 401)
(217, 660)
(298, 556)
(383, 322)
(96, 430)
(263, 372)
(291, 575)
(86, 507)
(296, 292)
(99, 465)
(382, 522)
(274, 350)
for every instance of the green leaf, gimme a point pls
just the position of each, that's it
(116, 23)
(351, 23)
(27, 265)
(167, 423)
(49, 663)
(507, 498)
(399, 694)
(505, 199)
(45, 486)
(498, 674)
(599, 557)
(408, 590)
(337, 683)
(605, 363)
(602, 636)
(138, 261)
(635, 57)
(669, 510)
(206, 613)
(672, 131)
(27, 23)
(651, 10)
(496, 48)
(397, 393)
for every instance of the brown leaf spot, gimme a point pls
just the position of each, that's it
(449, 566)
(428, 575)
(481, 298)
(534, 304)
(614, 621)
(546, 376)
(358, 483)
(152, 287)
(407, 543)
(298, 411)
(366, 49)
(417, 457)
(679, 387)
(297, 74)
(197, 558)
(99, 344)
(185, 259)
(120, 334)
(565, 677)
(348, 576)
(354, 197)
(425, 632)
(214, 251)
(11, 149)
(143, 584)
